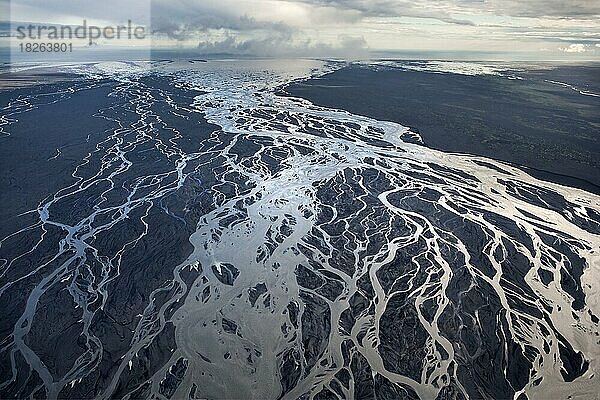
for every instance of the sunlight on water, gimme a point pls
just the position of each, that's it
(331, 252)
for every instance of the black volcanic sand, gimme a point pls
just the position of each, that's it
(31, 170)
(28, 171)
(17, 80)
(130, 288)
(551, 130)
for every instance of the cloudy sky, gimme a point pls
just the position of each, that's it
(527, 29)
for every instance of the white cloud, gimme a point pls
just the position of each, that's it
(575, 48)
(562, 28)
(283, 45)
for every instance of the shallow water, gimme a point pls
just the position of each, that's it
(331, 254)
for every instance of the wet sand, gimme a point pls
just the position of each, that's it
(194, 235)
(10, 80)
(549, 129)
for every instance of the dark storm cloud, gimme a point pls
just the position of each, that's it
(584, 9)
(245, 35)
(183, 26)
(178, 17)
(281, 45)
(389, 8)
(587, 9)
(312, 27)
